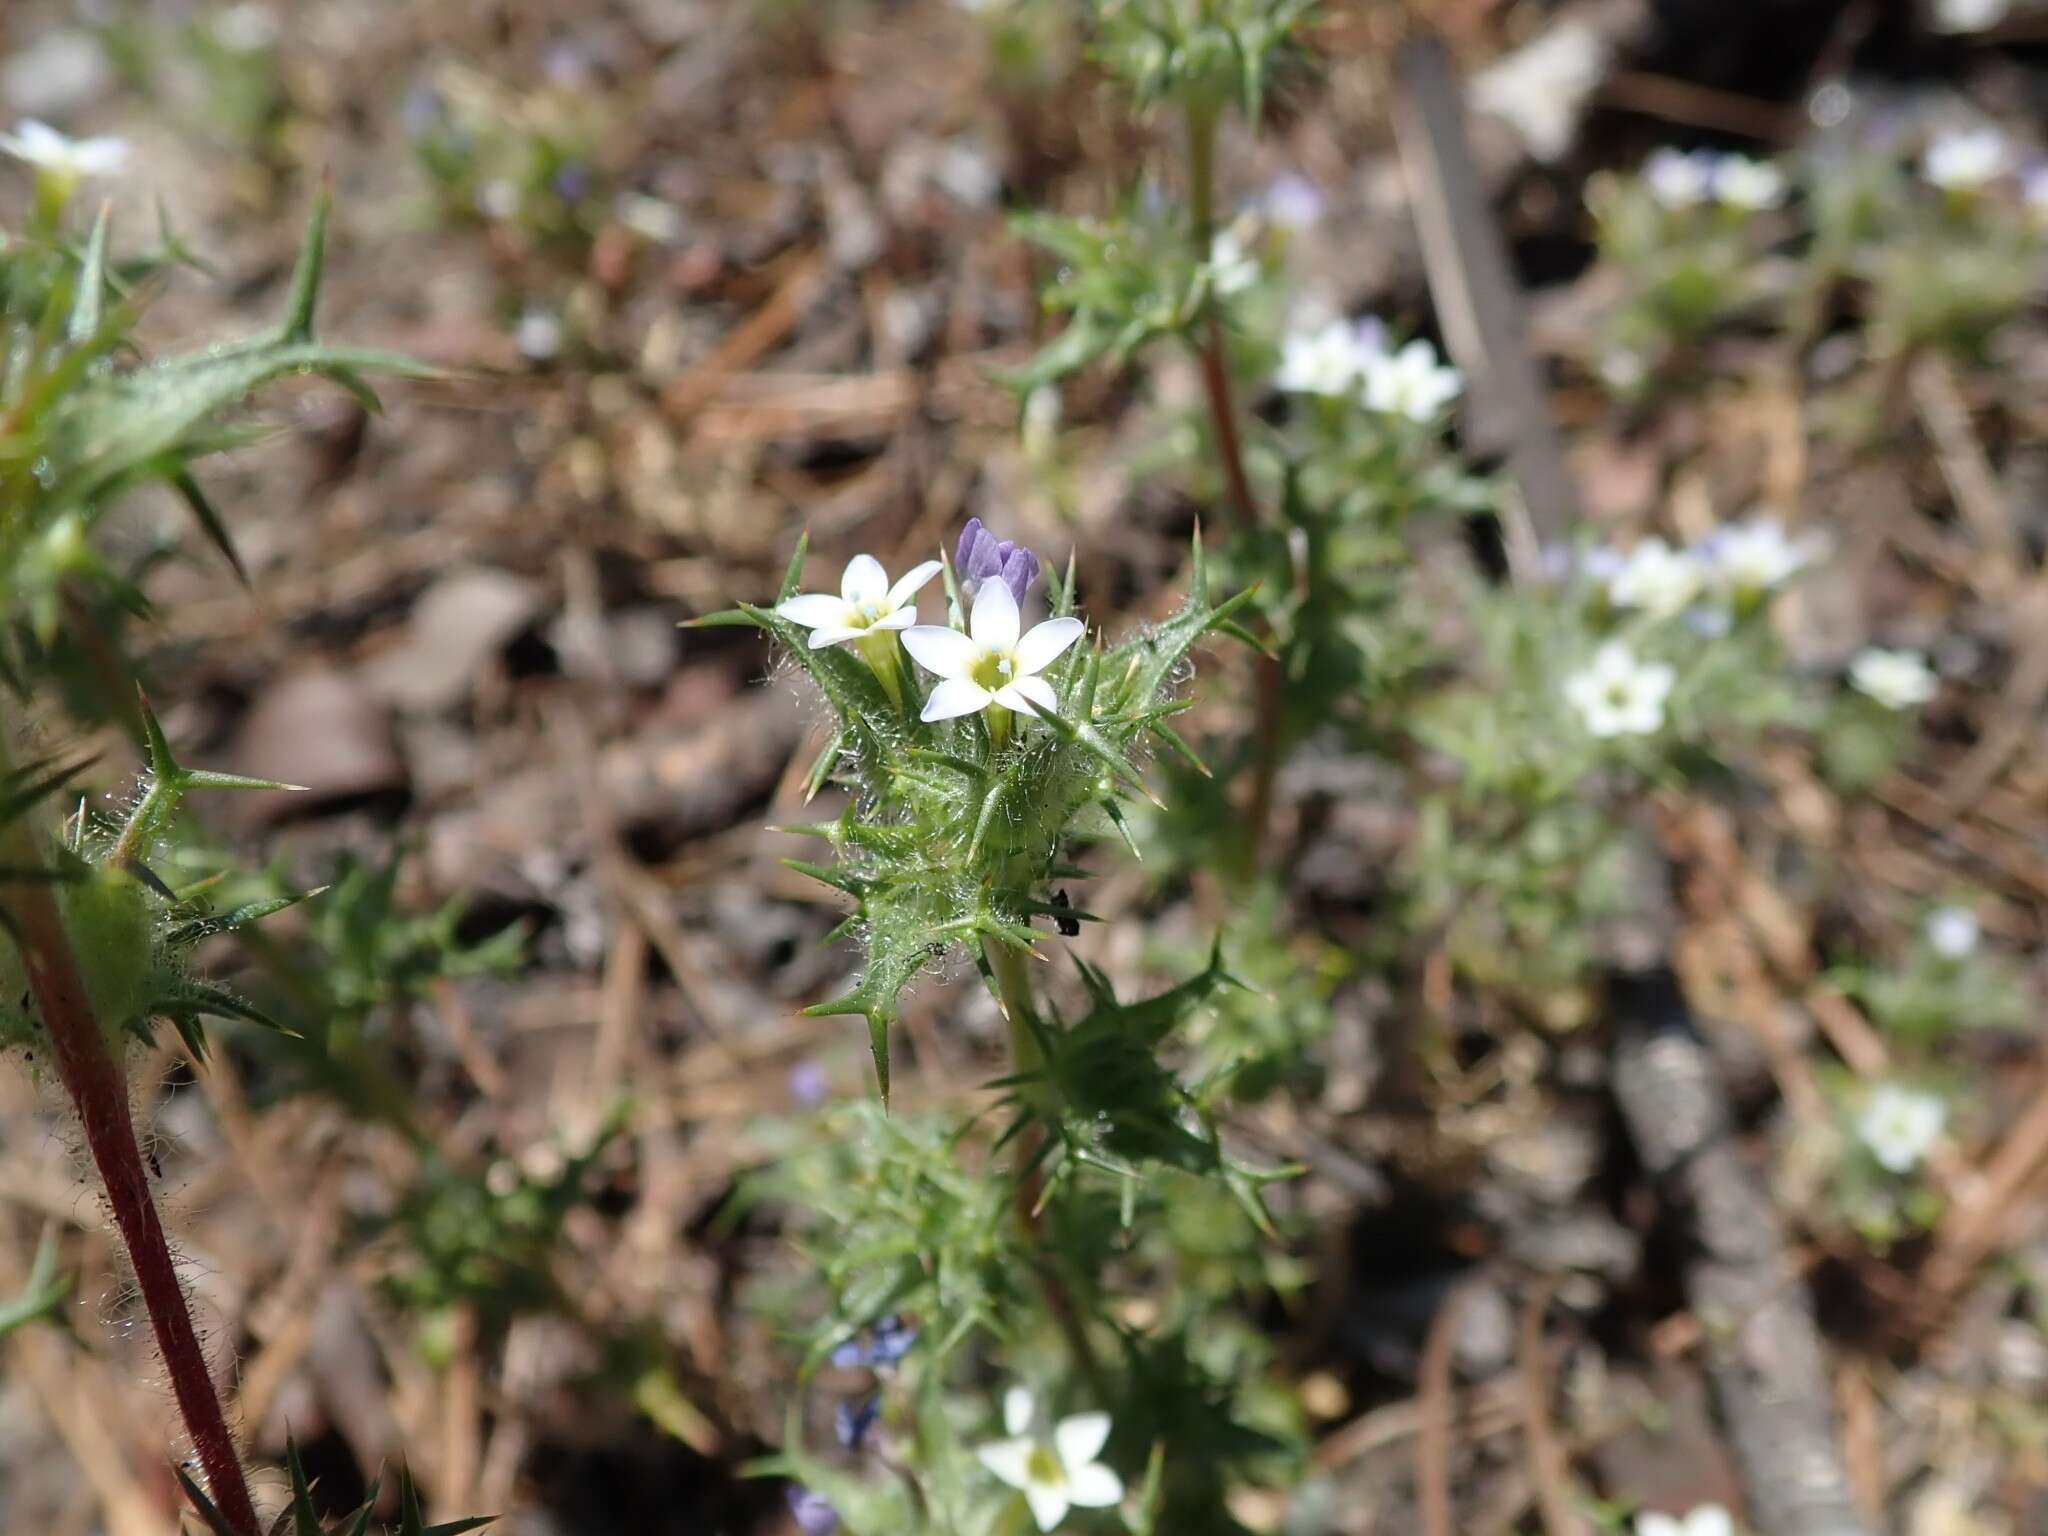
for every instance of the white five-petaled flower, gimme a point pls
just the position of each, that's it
(1953, 932)
(1656, 578)
(1232, 267)
(1756, 555)
(1680, 179)
(1619, 694)
(1966, 161)
(1900, 1126)
(1896, 679)
(1331, 360)
(1751, 185)
(991, 663)
(1411, 382)
(866, 603)
(1707, 1520)
(1055, 1471)
(46, 149)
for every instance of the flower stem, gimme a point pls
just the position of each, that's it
(1215, 370)
(91, 1073)
(1012, 973)
(1201, 137)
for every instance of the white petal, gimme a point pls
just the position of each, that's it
(1049, 1505)
(1029, 696)
(864, 580)
(812, 609)
(956, 696)
(1710, 1520)
(913, 582)
(1043, 645)
(940, 651)
(1009, 1460)
(1080, 1439)
(1094, 1486)
(1019, 1409)
(1658, 1525)
(834, 634)
(994, 621)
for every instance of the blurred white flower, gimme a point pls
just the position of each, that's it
(2034, 191)
(991, 663)
(1755, 555)
(46, 149)
(1232, 266)
(1966, 161)
(1679, 178)
(1706, 1520)
(538, 334)
(1900, 1126)
(651, 218)
(1541, 89)
(1411, 382)
(1896, 679)
(1330, 360)
(866, 602)
(1953, 932)
(498, 199)
(1293, 201)
(1754, 185)
(1969, 15)
(1619, 694)
(1057, 1470)
(1656, 578)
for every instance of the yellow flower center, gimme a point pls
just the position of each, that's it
(994, 670)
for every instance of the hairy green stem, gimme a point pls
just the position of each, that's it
(90, 1069)
(1012, 972)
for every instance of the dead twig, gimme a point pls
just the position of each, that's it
(1549, 1471)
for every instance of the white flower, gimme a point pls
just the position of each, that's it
(45, 148)
(538, 334)
(1899, 1126)
(1953, 932)
(1293, 201)
(1411, 382)
(1656, 578)
(1965, 162)
(1753, 185)
(1618, 694)
(1232, 267)
(1969, 15)
(1058, 1471)
(1896, 679)
(990, 664)
(866, 602)
(1678, 179)
(1707, 1520)
(1755, 556)
(1542, 87)
(1331, 360)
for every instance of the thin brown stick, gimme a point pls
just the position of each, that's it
(1433, 1435)
(1549, 1470)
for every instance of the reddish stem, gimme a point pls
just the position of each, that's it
(92, 1076)
(1223, 416)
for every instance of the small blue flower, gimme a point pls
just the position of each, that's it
(572, 182)
(809, 1084)
(813, 1512)
(888, 1342)
(981, 555)
(852, 1421)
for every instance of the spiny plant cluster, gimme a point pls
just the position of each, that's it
(958, 830)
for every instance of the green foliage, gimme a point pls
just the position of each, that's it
(300, 1518)
(1208, 53)
(42, 1295)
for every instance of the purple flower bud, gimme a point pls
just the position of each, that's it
(813, 1512)
(981, 555)
(808, 1084)
(571, 182)
(852, 1421)
(893, 1340)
